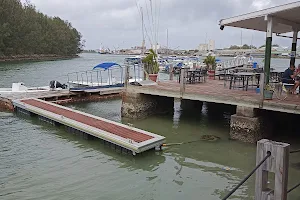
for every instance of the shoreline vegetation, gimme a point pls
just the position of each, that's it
(35, 57)
(27, 34)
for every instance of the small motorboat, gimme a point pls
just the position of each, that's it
(21, 88)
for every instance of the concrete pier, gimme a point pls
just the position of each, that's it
(253, 119)
(137, 106)
(246, 125)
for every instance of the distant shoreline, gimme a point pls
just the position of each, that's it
(35, 57)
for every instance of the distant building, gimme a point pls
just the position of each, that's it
(211, 45)
(203, 47)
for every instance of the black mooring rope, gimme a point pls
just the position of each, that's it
(247, 177)
(293, 188)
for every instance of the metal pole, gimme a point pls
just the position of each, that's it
(87, 79)
(247, 177)
(134, 72)
(139, 71)
(111, 76)
(268, 49)
(122, 75)
(294, 48)
(98, 77)
(101, 78)
(92, 78)
(108, 77)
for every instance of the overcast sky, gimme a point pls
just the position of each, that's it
(117, 23)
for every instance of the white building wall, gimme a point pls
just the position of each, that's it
(203, 47)
(211, 45)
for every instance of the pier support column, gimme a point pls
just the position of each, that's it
(246, 125)
(137, 106)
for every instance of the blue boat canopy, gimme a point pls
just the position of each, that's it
(106, 65)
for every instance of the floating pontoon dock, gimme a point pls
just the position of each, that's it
(121, 135)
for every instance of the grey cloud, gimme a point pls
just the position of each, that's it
(118, 23)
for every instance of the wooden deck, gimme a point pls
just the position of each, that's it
(214, 91)
(127, 137)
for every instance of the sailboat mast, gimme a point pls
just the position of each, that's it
(143, 43)
(241, 38)
(167, 42)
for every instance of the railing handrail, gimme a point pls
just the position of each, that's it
(95, 70)
(235, 62)
(247, 177)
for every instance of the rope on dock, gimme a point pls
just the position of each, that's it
(247, 177)
(209, 138)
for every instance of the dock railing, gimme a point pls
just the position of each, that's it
(97, 77)
(108, 77)
(236, 62)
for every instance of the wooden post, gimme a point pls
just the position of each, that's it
(126, 75)
(182, 81)
(278, 164)
(171, 72)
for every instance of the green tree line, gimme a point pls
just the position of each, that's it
(26, 31)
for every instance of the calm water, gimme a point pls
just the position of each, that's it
(39, 161)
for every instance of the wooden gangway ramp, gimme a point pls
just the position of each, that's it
(127, 137)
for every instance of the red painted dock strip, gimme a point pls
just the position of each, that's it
(93, 122)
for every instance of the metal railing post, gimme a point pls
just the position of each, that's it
(98, 77)
(121, 76)
(134, 69)
(171, 72)
(278, 164)
(108, 77)
(92, 78)
(87, 79)
(139, 71)
(101, 78)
